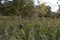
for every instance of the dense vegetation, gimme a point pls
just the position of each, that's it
(14, 28)
(26, 8)
(23, 20)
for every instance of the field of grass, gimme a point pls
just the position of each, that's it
(15, 28)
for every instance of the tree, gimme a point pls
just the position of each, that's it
(43, 9)
(48, 11)
(28, 8)
(20, 7)
(58, 11)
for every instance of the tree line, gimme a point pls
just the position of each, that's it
(26, 8)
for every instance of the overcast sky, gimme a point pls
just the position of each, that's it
(52, 3)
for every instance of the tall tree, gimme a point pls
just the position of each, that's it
(24, 7)
(28, 8)
(43, 10)
(48, 11)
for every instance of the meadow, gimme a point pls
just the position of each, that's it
(15, 28)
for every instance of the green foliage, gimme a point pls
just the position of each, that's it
(48, 11)
(16, 8)
(28, 9)
(47, 29)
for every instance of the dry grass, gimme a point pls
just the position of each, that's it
(47, 29)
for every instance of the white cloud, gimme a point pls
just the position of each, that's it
(10, 0)
(49, 1)
(36, 3)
